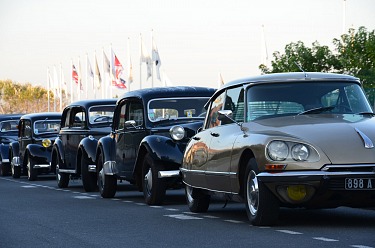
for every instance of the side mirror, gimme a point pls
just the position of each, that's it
(130, 123)
(225, 115)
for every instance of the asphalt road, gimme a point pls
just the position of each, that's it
(38, 214)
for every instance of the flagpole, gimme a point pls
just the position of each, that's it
(61, 82)
(129, 64)
(140, 62)
(93, 85)
(111, 71)
(87, 74)
(54, 87)
(152, 62)
(71, 82)
(48, 82)
(104, 74)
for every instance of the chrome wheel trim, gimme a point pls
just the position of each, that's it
(28, 168)
(189, 193)
(101, 179)
(12, 168)
(252, 193)
(148, 181)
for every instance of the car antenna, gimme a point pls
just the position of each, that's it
(300, 67)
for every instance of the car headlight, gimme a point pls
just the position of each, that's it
(300, 152)
(177, 132)
(278, 150)
(46, 143)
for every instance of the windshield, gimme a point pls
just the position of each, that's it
(8, 126)
(176, 108)
(46, 126)
(101, 114)
(273, 100)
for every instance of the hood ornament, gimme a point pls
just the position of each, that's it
(366, 140)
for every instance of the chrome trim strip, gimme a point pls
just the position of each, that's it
(67, 171)
(214, 173)
(301, 174)
(92, 167)
(167, 174)
(346, 166)
(39, 166)
(366, 140)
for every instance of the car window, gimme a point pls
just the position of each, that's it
(136, 113)
(78, 118)
(25, 131)
(101, 114)
(277, 99)
(216, 105)
(46, 126)
(234, 101)
(8, 126)
(176, 108)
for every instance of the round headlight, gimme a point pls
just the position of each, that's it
(177, 132)
(46, 143)
(300, 152)
(278, 150)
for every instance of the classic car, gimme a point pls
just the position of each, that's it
(150, 130)
(31, 153)
(8, 134)
(82, 124)
(284, 140)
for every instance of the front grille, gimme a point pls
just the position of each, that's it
(350, 168)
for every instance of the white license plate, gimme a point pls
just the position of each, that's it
(360, 183)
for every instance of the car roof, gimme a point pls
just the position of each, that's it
(291, 77)
(5, 117)
(42, 116)
(91, 102)
(175, 91)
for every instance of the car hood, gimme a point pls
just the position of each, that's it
(340, 137)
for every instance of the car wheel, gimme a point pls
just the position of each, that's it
(153, 187)
(107, 184)
(88, 178)
(262, 207)
(32, 173)
(61, 178)
(197, 201)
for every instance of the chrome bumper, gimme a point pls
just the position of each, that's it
(109, 168)
(168, 174)
(40, 166)
(5, 160)
(91, 167)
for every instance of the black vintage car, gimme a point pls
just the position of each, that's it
(32, 152)
(8, 134)
(82, 124)
(149, 133)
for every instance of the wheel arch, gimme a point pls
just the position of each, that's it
(245, 157)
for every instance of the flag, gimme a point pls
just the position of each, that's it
(121, 84)
(145, 58)
(80, 75)
(90, 74)
(156, 59)
(75, 75)
(221, 80)
(106, 65)
(97, 77)
(117, 70)
(130, 73)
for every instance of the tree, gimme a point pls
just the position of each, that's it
(354, 54)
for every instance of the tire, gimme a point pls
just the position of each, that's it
(154, 188)
(197, 201)
(61, 178)
(107, 184)
(16, 170)
(89, 179)
(262, 207)
(32, 173)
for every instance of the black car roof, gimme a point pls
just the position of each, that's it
(5, 117)
(175, 91)
(91, 102)
(42, 116)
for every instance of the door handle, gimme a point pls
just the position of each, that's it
(196, 138)
(214, 134)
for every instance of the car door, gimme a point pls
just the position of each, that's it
(129, 136)
(25, 136)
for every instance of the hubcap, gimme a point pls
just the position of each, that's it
(101, 179)
(28, 168)
(189, 193)
(148, 180)
(252, 193)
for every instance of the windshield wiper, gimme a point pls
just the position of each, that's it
(317, 110)
(366, 113)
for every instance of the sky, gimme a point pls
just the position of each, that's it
(197, 40)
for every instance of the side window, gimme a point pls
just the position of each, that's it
(216, 105)
(136, 113)
(234, 101)
(65, 118)
(26, 129)
(78, 119)
(121, 121)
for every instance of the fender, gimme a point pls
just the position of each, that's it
(107, 145)
(15, 148)
(164, 149)
(39, 153)
(59, 149)
(4, 153)
(88, 147)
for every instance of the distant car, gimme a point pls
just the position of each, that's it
(149, 133)
(8, 134)
(31, 154)
(284, 140)
(82, 124)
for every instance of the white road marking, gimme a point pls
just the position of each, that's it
(211, 217)
(361, 246)
(172, 209)
(83, 197)
(141, 204)
(235, 221)
(325, 239)
(183, 217)
(155, 206)
(28, 186)
(128, 201)
(289, 232)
